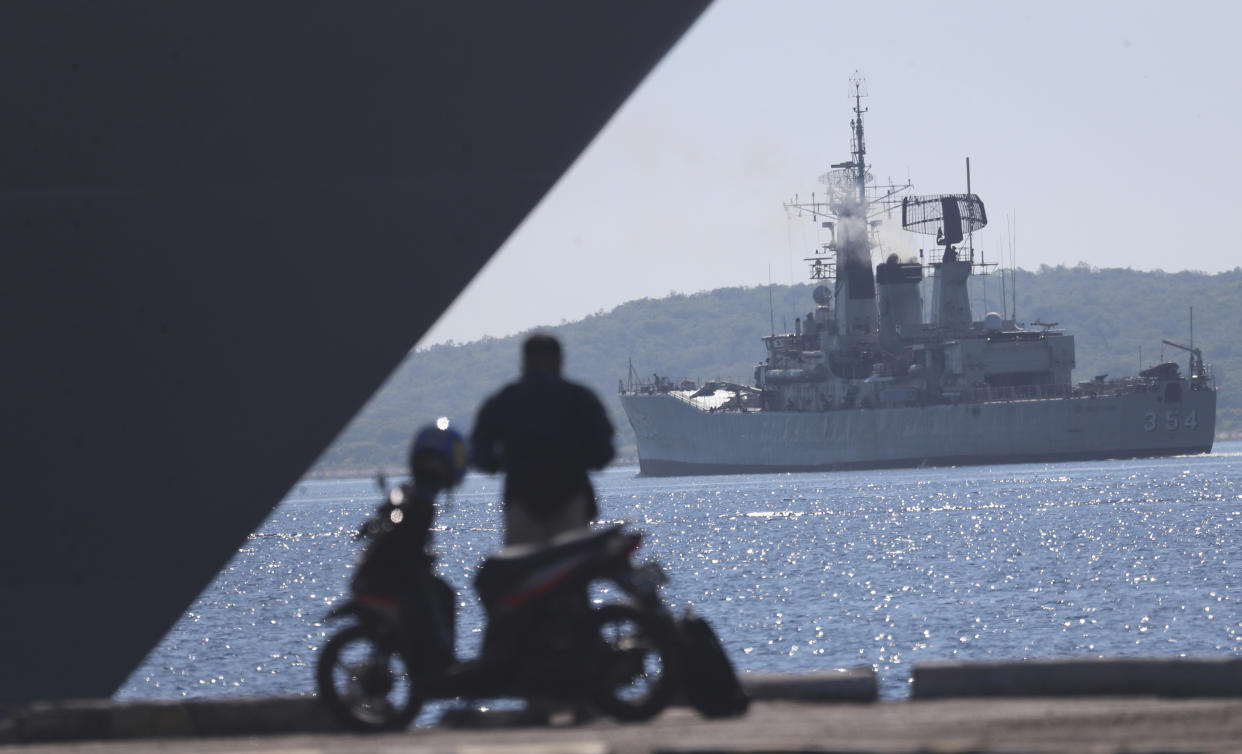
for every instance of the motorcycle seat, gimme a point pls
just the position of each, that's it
(511, 563)
(561, 543)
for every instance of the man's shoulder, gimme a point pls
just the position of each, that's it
(505, 392)
(546, 381)
(578, 390)
(495, 403)
(545, 386)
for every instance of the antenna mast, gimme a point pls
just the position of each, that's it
(1013, 267)
(860, 147)
(970, 235)
(771, 309)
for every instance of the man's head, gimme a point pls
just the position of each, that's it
(438, 456)
(541, 354)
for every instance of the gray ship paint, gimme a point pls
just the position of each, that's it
(849, 389)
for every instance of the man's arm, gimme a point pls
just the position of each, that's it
(483, 440)
(597, 444)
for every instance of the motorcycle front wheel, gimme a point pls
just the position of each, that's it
(365, 680)
(639, 662)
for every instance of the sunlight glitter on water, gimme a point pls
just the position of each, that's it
(798, 572)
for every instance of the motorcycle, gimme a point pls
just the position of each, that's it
(543, 640)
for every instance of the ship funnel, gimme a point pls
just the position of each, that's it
(855, 291)
(899, 298)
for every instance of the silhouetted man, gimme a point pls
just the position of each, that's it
(545, 433)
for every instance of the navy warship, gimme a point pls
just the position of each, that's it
(866, 380)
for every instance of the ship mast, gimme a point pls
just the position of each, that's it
(846, 211)
(860, 147)
(855, 284)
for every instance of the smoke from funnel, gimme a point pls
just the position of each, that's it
(854, 253)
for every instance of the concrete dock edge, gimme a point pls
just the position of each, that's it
(72, 720)
(103, 719)
(852, 685)
(1122, 676)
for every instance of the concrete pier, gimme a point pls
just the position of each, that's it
(1129, 710)
(1123, 676)
(103, 719)
(1097, 725)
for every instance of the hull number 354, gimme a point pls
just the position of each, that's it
(1171, 420)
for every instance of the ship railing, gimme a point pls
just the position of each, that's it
(1206, 378)
(685, 399)
(651, 387)
(679, 390)
(1007, 393)
(737, 403)
(647, 388)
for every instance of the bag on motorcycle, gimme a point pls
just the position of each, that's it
(710, 684)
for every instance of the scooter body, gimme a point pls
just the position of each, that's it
(544, 639)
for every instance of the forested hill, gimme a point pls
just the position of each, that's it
(1111, 312)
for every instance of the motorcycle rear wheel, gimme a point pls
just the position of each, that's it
(640, 662)
(365, 680)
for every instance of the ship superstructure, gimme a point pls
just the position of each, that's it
(866, 379)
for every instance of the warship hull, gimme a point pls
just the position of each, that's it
(873, 378)
(677, 437)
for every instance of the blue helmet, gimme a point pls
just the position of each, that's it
(440, 451)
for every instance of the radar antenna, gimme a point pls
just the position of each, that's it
(948, 217)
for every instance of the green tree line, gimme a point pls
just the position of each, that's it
(1118, 318)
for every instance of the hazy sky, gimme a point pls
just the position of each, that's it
(1105, 132)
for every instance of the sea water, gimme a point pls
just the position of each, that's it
(796, 572)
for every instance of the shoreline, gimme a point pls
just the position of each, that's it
(628, 459)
